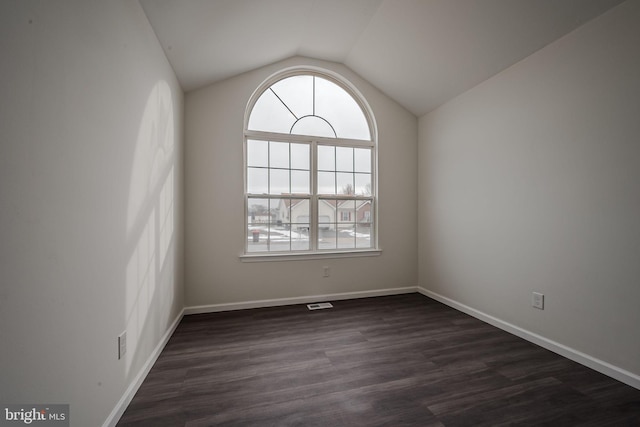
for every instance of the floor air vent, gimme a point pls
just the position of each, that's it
(319, 306)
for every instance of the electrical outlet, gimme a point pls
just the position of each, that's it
(326, 271)
(537, 300)
(122, 345)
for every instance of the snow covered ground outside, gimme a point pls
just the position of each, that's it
(283, 239)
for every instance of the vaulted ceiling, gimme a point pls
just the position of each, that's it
(419, 52)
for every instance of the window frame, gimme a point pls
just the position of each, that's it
(314, 197)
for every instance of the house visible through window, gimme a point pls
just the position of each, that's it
(309, 167)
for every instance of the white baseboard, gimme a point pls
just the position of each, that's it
(212, 308)
(601, 366)
(126, 398)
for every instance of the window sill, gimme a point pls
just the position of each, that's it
(266, 257)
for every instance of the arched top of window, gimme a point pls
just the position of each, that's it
(311, 105)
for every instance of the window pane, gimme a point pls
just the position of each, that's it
(279, 181)
(363, 184)
(279, 210)
(297, 93)
(300, 225)
(344, 159)
(279, 239)
(270, 115)
(363, 212)
(300, 182)
(300, 156)
(326, 211)
(326, 158)
(257, 181)
(279, 155)
(345, 183)
(258, 225)
(300, 239)
(347, 211)
(363, 236)
(346, 237)
(346, 224)
(300, 213)
(326, 183)
(363, 159)
(257, 153)
(314, 126)
(257, 236)
(258, 211)
(338, 107)
(327, 215)
(327, 236)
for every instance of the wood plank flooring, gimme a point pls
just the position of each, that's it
(402, 360)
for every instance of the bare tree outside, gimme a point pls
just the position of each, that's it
(348, 189)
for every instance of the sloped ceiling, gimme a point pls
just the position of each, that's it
(419, 52)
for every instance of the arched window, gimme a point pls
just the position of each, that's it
(310, 156)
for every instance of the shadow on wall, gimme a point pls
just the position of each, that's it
(151, 267)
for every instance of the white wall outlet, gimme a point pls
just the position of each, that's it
(122, 345)
(326, 271)
(537, 300)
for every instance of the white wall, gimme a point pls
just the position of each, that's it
(214, 203)
(529, 182)
(90, 190)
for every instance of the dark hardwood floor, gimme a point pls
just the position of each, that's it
(403, 360)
